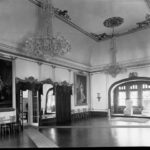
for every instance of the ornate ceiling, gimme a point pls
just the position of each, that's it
(81, 22)
(88, 16)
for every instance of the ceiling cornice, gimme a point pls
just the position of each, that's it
(100, 37)
(10, 51)
(129, 64)
(7, 50)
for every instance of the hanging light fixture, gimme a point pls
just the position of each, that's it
(44, 43)
(114, 68)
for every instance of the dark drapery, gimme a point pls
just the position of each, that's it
(63, 104)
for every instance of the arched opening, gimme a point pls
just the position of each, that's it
(50, 105)
(134, 89)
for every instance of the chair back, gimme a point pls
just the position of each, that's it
(2, 120)
(12, 118)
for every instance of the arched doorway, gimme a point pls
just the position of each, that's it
(50, 106)
(136, 89)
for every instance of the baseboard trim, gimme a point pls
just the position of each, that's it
(99, 113)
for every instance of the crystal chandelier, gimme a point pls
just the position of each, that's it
(114, 68)
(44, 43)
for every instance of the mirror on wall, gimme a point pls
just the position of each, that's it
(48, 106)
(50, 102)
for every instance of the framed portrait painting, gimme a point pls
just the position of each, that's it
(80, 82)
(5, 83)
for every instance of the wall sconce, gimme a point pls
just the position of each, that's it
(98, 96)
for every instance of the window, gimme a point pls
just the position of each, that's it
(134, 97)
(121, 98)
(146, 97)
(137, 91)
(145, 86)
(133, 87)
(122, 88)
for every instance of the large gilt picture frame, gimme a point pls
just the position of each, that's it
(80, 82)
(5, 83)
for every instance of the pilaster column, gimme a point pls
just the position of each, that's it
(91, 92)
(40, 70)
(69, 70)
(14, 81)
(53, 73)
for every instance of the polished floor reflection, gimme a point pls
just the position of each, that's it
(20, 140)
(92, 132)
(99, 132)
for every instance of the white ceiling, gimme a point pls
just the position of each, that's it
(18, 18)
(90, 14)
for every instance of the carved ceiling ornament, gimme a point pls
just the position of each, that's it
(114, 68)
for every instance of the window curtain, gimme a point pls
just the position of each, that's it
(63, 104)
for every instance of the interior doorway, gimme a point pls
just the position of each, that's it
(29, 108)
(25, 108)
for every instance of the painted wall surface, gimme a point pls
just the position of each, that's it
(46, 72)
(99, 85)
(130, 48)
(25, 68)
(61, 75)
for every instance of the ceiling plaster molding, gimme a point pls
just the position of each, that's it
(68, 21)
(99, 37)
(137, 63)
(9, 51)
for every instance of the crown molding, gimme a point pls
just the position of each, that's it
(129, 64)
(11, 51)
(67, 21)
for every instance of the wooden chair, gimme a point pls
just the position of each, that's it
(78, 114)
(87, 113)
(15, 127)
(82, 113)
(5, 128)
